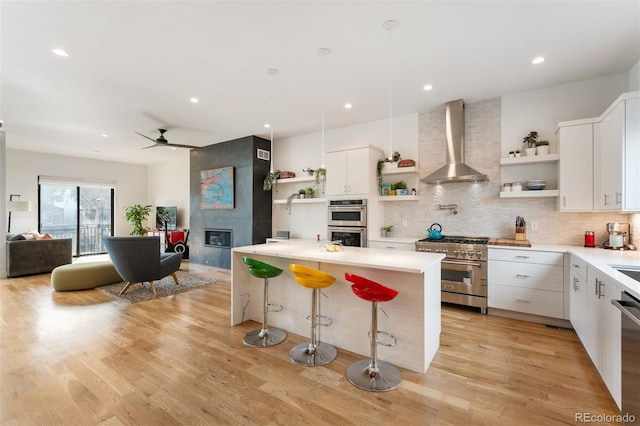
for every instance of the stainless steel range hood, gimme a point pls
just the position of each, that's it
(455, 170)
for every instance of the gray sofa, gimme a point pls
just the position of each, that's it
(28, 257)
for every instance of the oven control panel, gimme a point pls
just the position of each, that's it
(454, 251)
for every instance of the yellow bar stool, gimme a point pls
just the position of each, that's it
(313, 353)
(373, 374)
(265, 336)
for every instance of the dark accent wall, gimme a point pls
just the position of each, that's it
(250, 220)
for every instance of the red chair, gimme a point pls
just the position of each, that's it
(372, 374)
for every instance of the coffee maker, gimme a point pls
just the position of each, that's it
(619, 234)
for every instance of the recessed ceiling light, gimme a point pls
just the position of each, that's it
(267, 125)
(60, 52)
(194, 100)
(104, 135)
(427, 87)
(272, 71)
(538, 60)
(348, 106)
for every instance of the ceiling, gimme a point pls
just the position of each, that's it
(134, 65)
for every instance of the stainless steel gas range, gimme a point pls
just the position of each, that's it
(464, 269)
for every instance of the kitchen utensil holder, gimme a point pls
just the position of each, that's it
(521, 233)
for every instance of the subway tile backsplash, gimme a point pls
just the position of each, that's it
(481, 210)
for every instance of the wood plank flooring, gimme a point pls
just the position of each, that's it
(82, 358)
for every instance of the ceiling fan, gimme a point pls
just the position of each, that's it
(162, 141)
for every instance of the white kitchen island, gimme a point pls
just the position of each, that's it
(413, 316)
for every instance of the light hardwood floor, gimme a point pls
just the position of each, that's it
(82, 358)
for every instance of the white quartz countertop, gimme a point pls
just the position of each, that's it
(387, 259)
(599, 258)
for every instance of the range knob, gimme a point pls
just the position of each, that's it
(445, 251)
(479, 254)
(456, 252)
(427, 249)
(463, 252)
(471, 253)
(438, 250)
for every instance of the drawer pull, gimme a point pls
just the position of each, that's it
(522, 276)
(576, 265)
(523, 301)
(522, 257)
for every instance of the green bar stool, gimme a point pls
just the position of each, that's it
(313, 353)
(265, 336)
(373, 374)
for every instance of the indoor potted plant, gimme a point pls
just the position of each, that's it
(135, 215)
(271, 181)
(542, 148)
(321, 175)
(386, 230)
(301, 193)
(401, 188)
(309, 171)
(308, 192)
(530, 140)
(290, 199)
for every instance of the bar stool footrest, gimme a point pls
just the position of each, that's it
(322, 320)
(274, 307)
(386, 378)
(385, 333)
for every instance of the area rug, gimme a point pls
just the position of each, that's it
(164, 287)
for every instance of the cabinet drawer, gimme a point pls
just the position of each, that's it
(578, 267)
(392, 245)
(524, 275)
(526, 300)
(527, 256)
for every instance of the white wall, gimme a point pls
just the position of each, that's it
(3, 197)
(634, 78)
(542, 109)
(23, 168)
(169, 186)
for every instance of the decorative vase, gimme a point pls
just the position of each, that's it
(398, 191)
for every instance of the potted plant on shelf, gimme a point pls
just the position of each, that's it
(531, 140)
(308, 192)
(301, 193)
(309, 171)
(542, 148)
(271, 181)
(394, 159)
(135, 215)
(385, 231)
(321, 176)
(401, 188)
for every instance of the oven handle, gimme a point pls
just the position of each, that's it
(346, 228)
(448, 262)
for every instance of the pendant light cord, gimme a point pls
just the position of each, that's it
(390, 26)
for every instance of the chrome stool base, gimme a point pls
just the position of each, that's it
(324, 353)
(272, 337)
(387, 377)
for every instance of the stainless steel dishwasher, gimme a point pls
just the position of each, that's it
(630, 308)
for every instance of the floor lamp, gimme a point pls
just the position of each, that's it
(16, 206)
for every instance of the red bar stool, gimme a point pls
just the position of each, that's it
(313, 353)
(373, 374)
(265, 336)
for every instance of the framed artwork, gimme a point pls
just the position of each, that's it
(216, 188)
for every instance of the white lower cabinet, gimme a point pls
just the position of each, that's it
(599, 327)
(526, 281)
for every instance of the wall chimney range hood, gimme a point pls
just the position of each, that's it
(455, 170)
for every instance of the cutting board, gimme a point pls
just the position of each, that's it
(509, 242)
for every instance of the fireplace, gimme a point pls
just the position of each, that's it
(217, 238)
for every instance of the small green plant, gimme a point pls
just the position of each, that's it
(321, 175)
(387, 228)
(542, 143)
(531, 139)
(308, 192)
(289, 199)
(301, 191)
(309, 171)
(135, 215)
(271, 181)
(400, 185)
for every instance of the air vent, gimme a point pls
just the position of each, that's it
(263, 154)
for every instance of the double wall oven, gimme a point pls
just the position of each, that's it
(463, 270)
(347, 222)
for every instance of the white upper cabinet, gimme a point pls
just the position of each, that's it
(601, 156)
(351, 171)
(575, 168)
